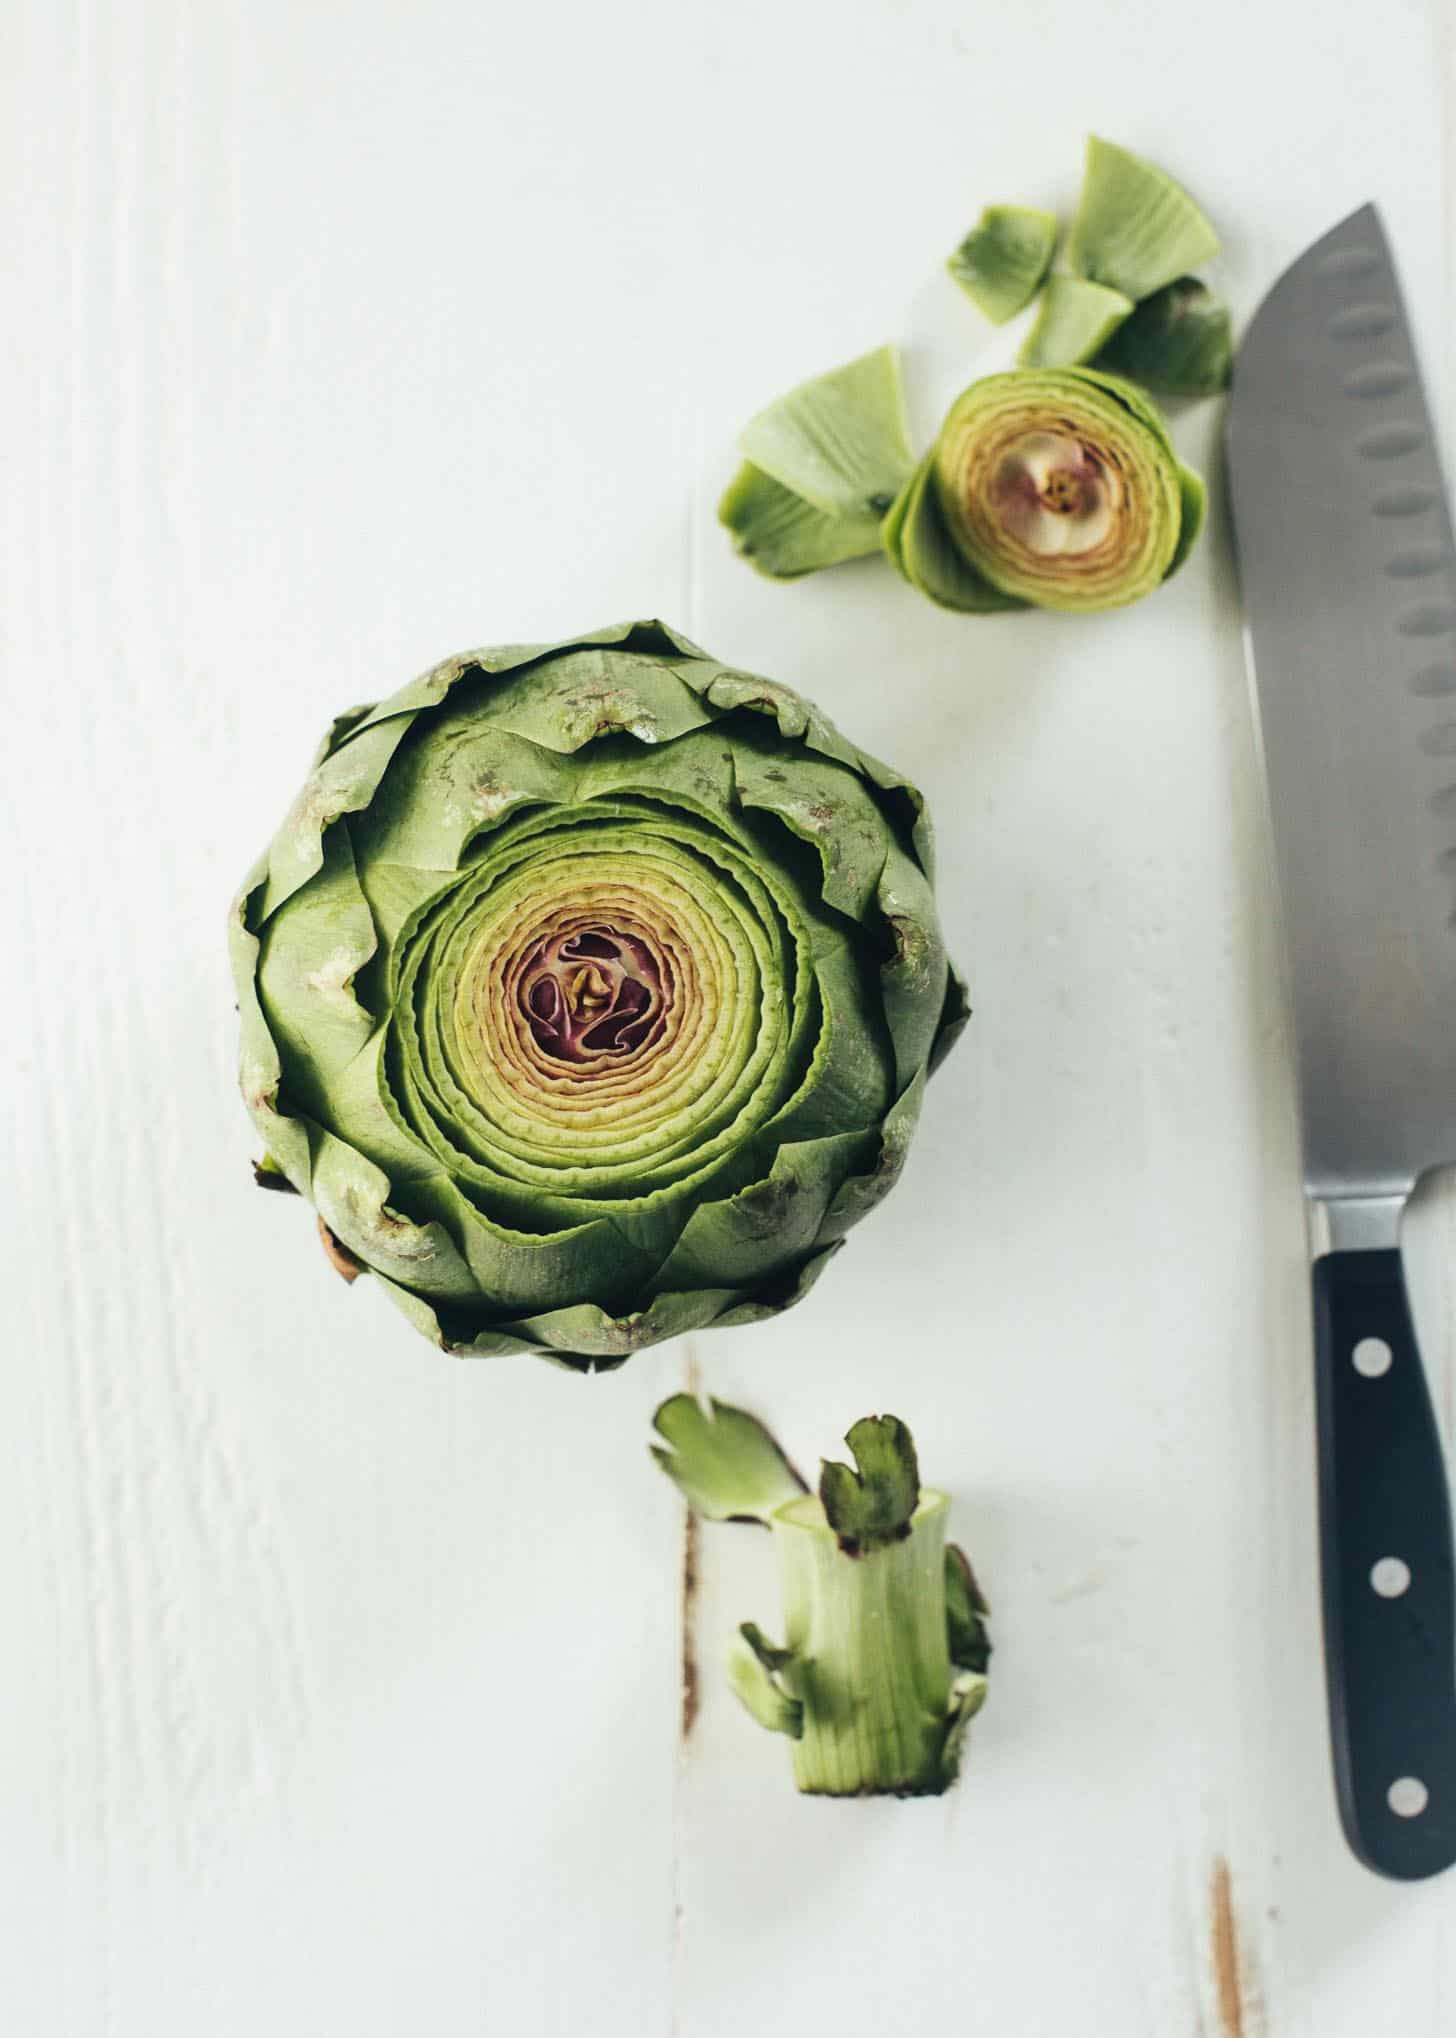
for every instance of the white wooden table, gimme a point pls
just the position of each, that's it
(342, 1686)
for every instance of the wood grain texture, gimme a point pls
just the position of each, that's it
(347, 1682)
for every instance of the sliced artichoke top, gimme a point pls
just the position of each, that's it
(589, 992)
(1056, 487)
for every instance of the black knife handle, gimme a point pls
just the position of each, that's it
(1390, 1646)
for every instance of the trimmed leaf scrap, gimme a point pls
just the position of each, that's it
(722, 1460)
(1003, 259)
(1179, 341)
(1135, 229)
(823, 465)
(1075, 319)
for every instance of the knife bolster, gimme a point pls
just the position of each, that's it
(1354, 1224)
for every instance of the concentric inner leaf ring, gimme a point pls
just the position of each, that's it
(730, 1042)
(1089, 463)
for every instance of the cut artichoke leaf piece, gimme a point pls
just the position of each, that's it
(907, 906)
(1178, 341)
(872, 1504)
(1135, 229)
(1002, 260)
(839, 440)
(1074, 320)
(722, 1460)
(784, 536)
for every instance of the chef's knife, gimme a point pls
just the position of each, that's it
(1346, 568)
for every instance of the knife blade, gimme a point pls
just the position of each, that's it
(1346, 569)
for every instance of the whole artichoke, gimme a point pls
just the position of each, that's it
(589, 992)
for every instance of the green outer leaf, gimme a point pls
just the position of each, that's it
(722, 1460)
(352, 764)
(1179, 341)
(743, 1238)
(1194, 497)
(770, 1301)
(965, 1612)
(1135, 229)
(1135, 401)
(839, 440)
(1076, 318)
(919, 545)
(785, 537)
(872, 1506)
(755, 1675)
(967, 1696)
(954, 1017)
(1002, 260)
(863, 1192)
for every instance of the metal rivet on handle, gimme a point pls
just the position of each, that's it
(1390, 1577)
(1372, 1357)
(1407, 1797)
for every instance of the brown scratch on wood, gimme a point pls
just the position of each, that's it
(689, 1605)
(1228, 1978)
(338, 1254)
(689, 1623)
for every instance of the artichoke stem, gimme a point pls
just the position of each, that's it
(871, 1663)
